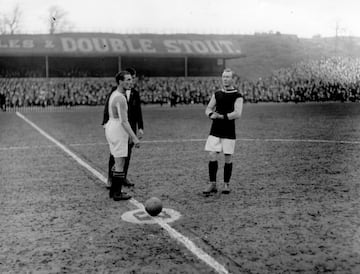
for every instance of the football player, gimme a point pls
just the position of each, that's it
(224, 108)
(118, 132)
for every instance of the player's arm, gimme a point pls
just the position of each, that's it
(210, 109)
(238, 107)
(121, 106)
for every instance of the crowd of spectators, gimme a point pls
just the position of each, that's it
(54, 91)
(330, 79)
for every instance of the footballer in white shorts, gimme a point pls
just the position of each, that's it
(224, 107)
(117, 138)
(217, 144)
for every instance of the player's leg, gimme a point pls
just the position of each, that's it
(227, 173)
(213, 145)
(117, 174)
(213, 168)
(118, 178)
(111, 164)
(118, 142)
(228, 148)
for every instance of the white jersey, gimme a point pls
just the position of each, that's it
(115, 133)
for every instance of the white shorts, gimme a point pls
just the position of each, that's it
(117, 138)
(216, 144)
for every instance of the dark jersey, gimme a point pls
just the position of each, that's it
(224, 104)
(134, 111)
(106, 108)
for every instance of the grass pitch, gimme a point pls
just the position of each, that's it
(294, 205)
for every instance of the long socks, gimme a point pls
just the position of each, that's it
(213, 167)
(118, 178)
(227, 172)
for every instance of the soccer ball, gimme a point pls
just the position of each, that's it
(153, 206)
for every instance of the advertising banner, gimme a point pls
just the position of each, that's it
(73, 44)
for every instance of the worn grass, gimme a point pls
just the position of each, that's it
(294, 205)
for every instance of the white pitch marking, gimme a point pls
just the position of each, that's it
(173, 233)
(173, 141)
(260, 140)
(354, 142)
(276, 140)
(140, 216)
(300, 141)
(25, 147)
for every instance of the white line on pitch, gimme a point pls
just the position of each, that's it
(300, 141)
(354, 142)
(259, 140)
(26, 147)
(276, 140)
(173, 233)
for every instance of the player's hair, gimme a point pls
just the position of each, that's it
(229, 70)
(120, 76)
(132, 71)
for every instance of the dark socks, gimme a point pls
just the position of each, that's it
(227, 172)
(213, 167)
(115, 190)
(118, 178)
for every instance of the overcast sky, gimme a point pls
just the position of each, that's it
(304, 18)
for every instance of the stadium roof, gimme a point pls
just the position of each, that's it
(108, 44)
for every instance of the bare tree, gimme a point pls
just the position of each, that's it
(2, 24)
(58, 21)
(9, 24)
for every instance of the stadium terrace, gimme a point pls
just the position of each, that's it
(103, 54)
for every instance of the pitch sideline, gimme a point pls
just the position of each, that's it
(202, 255)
